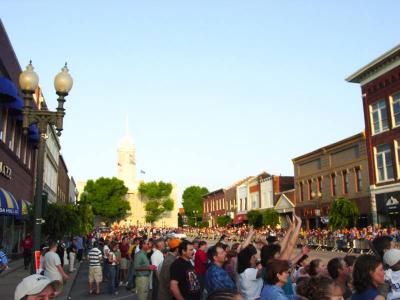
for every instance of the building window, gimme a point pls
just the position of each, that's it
(253, 201)
(319, 185)
(11, 142)
(345, 178)
(245, 203)
(2, 113)
(397, 147)
(301, 192)
(309, 189)
(3, 125)
(379, 117)
(333, 184)
(384, 163)
(358, 179)
(396, 109)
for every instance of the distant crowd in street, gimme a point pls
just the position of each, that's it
(222, 263)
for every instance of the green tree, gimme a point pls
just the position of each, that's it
(255, 218)
(60, 220)
(342, 213)
(270, 217)
(222, 221)
(193, 202)
(85, 214)
(107, 198)
(158, 199)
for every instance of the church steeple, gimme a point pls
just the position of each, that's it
(126, 164)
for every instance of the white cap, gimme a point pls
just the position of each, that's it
(391, 257)
(34, 284)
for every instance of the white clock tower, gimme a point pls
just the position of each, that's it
(126, 168)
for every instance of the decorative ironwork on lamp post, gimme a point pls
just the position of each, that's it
(28, 81)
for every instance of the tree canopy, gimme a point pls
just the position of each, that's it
(107, 198)
(264, 217)
(342, 213)
(193, 201)
(64, 219)
(158, 199)
(222, 221)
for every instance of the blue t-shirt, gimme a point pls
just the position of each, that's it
(274, 292)
(369, 294)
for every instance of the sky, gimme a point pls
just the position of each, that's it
(214, 91)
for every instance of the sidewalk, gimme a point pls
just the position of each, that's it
(10, 279)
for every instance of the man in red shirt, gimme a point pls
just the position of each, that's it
(200, 262)
(123, 248)
(27, 245)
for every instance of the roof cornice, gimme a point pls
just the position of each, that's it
(387, 61)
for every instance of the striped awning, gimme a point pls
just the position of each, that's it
(8, 204)
(23, 213)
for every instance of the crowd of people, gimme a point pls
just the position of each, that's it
(224, 263)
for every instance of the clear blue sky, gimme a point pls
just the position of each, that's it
(215, 90)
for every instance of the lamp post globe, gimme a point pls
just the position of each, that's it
(28, 79)
(63, 81)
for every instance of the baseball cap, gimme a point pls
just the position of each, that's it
(174, 243)
(34, 284)
(391, 257)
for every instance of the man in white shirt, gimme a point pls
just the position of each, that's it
(157, 259)
(52, 264)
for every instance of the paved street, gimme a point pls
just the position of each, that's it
(80, 289)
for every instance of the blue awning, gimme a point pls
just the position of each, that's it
(33, 133)
(8, 90)
(15, 106)
(8, 204)
(23, 211)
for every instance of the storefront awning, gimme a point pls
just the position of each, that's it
(23, 212)
(8, 204)
(239, 219)
(34, 135)
(8, 90)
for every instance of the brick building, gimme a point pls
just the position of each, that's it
(214, 206)
(63, 182)
(380, 89)
(330, 172)
(17, 151)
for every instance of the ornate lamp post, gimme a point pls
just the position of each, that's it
(28, 81)
(195, 212)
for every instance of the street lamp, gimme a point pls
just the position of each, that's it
(195, 212)
(28, 81)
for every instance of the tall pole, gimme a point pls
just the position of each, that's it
(37, 225)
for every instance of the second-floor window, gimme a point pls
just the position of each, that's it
(333, 184)
(309, 189)
(397, 145)
(379, 117)
(301, 192)
(345, 182)
(384, 163)
(319, 185)
(358, 179)
(396, 109)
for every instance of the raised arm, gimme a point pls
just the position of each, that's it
(286, 237)
(287, 252)
(247, 241)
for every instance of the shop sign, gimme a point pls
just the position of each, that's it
(388, 202)
(392, 204)
(5, 170)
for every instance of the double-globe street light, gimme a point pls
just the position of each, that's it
(28, 81)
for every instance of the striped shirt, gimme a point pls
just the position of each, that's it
(94, 257)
